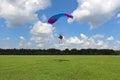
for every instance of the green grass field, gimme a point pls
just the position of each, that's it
(60, 67)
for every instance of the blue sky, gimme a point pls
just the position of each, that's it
(24, 24)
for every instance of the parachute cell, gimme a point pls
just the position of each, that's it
(54, 18)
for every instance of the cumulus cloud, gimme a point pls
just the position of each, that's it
(117, 45)
(83, 36)
(97, 41)
(118, 42)
(20, 12)
(73, 40)
(95, 12)
(102, 44)
(118, 15)
(22, 38)
(42, 34)
(110, 38)
(98, 36)
(21, 42)
(44, 18)
(46, 39)
(28, 44)
(78, 42)
(25, 43)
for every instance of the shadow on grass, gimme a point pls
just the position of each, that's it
(61, 60)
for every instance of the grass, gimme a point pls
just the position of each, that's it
(60, 67)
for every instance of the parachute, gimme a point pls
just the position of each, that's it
(54, 18)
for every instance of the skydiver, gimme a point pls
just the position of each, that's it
(60, 38)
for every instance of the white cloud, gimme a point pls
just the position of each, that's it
(46, 39)
(7, 38)
(21, 42)
(42, 28)
(118, 15)
(118, 42)
(20, 12)
(98, 36)
(95, 12)
(22, 38)
(40, 45)
(73, 40)
(116, 46)
(25, 43)
(100, 43)
(44, 18)
(83, 36)
(28, 44)
(42, 34)
(110, 38)
(95, 41)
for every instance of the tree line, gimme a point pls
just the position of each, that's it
(53, 51)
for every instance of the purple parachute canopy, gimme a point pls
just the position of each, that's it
(68, 15)
(54, 18)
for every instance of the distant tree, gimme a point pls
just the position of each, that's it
(54, 51)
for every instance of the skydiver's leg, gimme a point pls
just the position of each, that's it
(60, 41)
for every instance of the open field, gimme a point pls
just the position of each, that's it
(66, 67)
